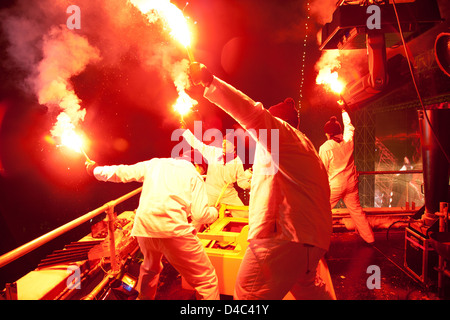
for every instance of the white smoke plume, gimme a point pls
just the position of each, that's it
(65, 54)
(176, 25)
(49, 55)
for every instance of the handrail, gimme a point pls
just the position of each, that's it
(36, 243)
(391, 172)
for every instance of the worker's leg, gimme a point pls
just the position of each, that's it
(317, 284)
(150, 269)
(351, 200)
(336, 193)
(271, 268)
(188, 256)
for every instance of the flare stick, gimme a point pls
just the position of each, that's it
(190, 55)
(84, 153)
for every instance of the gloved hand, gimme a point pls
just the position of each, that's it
(342, 105)
(200, 74)
(90, 166)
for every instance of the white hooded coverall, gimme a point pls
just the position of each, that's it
(289, 212)
(221, 174)
(339, 162)
(172, 192)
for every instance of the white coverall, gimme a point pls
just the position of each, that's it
(172, 192)
(221, 175)
(339, 162)
(290, 221)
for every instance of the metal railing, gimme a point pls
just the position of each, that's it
(38, 242)
(390, 172)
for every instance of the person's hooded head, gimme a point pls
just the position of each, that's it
(332, 128)
(286, 111)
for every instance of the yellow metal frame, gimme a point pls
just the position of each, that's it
(225, 261)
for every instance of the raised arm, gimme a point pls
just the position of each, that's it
(349, 129)
(210, 153)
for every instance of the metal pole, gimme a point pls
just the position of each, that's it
(111, 238)
(391, 172)
(99, 288)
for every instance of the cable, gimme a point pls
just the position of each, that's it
(414, 82)
(389, 228)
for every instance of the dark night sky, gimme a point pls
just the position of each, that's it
(255, 45)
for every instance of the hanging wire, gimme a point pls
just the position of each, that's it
(303, 62)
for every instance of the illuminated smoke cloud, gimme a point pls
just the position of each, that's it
(47, 55)
(65, 54)
(348, 64)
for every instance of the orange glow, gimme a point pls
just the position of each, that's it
(184, 103)
(65, 131)
(330, 80)
(173, 16)
(72, 140)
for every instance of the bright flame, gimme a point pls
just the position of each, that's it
(65, 130)
(179, 30)
(72, 140)
(169, 12)
(184, 103)
(330, 80)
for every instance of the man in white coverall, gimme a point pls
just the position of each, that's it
(289, 212)
(224, 169)
(337, 156)
(172, 193)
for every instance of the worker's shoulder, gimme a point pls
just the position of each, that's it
(329, 145)
(170, 162)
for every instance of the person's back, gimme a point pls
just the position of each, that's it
(170, 193)
(341, 166)
(167, 188)
(290, 191)
(290, 202)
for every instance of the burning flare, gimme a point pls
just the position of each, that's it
(171, 15)
(330, 80)
(327, 67)
(179, 30)
(64, 55)
(69, 137)
(184, 104)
